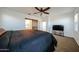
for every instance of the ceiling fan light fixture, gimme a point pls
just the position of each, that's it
(42, 11)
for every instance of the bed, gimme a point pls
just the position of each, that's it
(27, 41)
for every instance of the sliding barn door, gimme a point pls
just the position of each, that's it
(35, 24)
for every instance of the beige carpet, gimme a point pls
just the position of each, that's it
(66, 44)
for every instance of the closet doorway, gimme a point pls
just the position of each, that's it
(35, 24)
(31, 24)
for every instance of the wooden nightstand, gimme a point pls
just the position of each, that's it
(2, 31)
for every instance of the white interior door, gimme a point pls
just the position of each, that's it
(44, 26)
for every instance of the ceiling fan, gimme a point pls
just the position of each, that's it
(42, 10)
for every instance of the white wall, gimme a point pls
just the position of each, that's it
(13, 20)
(66, 20)
(76, 33)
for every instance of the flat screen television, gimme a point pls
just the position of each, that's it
(58, 27)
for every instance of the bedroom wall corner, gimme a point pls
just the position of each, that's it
(76, 33)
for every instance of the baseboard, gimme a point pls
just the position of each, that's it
(76, 39)
(65, 36)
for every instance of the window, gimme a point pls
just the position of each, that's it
(76, 22)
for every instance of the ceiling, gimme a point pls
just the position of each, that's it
(53, 10)
(61, 10)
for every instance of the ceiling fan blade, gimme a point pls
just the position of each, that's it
(46, 12)
(37, 9)
(46, 9)
(41, 9)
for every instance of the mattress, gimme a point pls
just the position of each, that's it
(30, 41)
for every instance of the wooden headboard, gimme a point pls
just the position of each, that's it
(2, 31)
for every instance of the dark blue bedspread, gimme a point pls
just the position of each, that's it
(30, 41)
